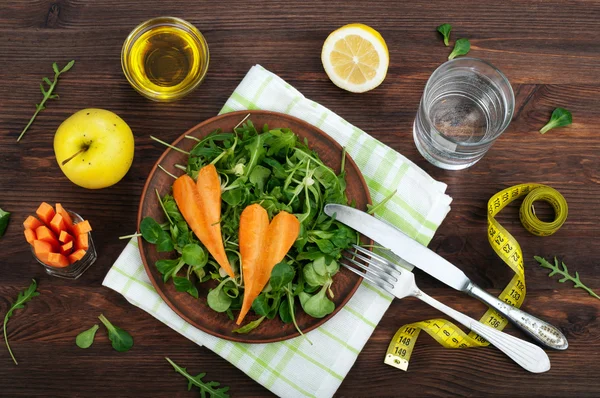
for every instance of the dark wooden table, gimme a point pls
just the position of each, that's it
(550, 51)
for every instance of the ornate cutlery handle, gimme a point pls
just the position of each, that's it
(543, 332)
(529, 356)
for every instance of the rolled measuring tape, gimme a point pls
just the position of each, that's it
(507, 248)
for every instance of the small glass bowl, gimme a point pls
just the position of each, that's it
(130, 65)
(75, 270)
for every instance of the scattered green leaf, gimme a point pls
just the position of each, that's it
(556, 269)
(445, 29)
(185, 285)
(86, 338)
(120, 339)
(211, 388)
(4, 218)
(47, 92)
(461, 47)
(250, 326)
(22, 298)
(560, 118)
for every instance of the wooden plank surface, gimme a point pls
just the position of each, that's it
(550, 51)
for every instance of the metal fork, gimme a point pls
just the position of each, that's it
(401, 283)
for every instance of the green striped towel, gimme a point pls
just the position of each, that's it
(294, 368)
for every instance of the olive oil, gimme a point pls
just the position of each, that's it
(165, 60)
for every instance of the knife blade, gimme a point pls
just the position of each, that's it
(400, 244)
(421, 257)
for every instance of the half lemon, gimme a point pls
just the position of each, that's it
(355, 58)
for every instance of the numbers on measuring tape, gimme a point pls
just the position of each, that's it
(507, 247)
(494, 322)
(410, 331)
(400, 351)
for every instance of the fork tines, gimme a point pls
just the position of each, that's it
(372, 267)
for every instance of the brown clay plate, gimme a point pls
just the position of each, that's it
(196, 311)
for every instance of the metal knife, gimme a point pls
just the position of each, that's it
(421, 257)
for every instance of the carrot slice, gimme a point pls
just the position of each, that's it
(57, 224)
(65, 237)
(30, 236)
(57, 260)
(193, 204)
(32, 223)
(65, 215)
(276, 242)
(76, 255)
(254, 223)
(43, 257)
(45, 213)
(82, 242)
(41, 247)
(82, 228)
(43, 233)
(66, 248)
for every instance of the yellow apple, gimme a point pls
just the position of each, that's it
(94, 148)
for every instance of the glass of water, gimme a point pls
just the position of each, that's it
(466, 105)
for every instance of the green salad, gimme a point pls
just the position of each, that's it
(277, 170)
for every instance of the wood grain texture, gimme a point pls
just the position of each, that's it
(550, 51)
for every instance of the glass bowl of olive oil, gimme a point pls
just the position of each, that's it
(165, 58)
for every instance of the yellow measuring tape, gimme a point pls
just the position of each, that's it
(506, 246)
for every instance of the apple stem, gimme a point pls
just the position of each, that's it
(77, 153)
(163, 169)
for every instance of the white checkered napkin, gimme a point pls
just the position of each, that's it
(294, 368)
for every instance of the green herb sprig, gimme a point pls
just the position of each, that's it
(445, 29)
(120, 339)
(556, 269)
(211, 387)
(47, 93)
(461, 47)
(560, 118)
(4, 218)
(22, 298)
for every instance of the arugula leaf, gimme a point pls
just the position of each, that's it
(461, 47)
(86, 338)
(120, 339)
(249, 326)
(259, 177)
(47, 93)
(555, 269)
(281, 140)
(22, 298)
(560, 117)
(232, 197)
(210, 388)
(256, 151)
(4, 218)
(445, 29)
